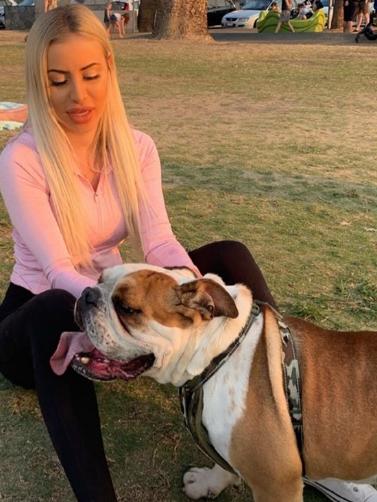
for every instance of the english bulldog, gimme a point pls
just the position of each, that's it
(170, 325)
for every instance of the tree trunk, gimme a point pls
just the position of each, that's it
(181, 19)
(147, 15)
(337, 20)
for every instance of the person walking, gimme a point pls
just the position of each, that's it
(285, 15)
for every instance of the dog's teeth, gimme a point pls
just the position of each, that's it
(84, 360)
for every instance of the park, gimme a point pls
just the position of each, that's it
(266, 139)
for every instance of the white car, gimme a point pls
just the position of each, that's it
(247, 16)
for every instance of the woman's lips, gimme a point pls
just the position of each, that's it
(80, 115)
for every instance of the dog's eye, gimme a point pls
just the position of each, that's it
(210, 308)
(124, 309)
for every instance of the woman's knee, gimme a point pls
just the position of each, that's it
(231, 252)
(234, 248)
(55, 303)
(50, 313)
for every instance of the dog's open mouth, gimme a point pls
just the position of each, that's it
(95, 366)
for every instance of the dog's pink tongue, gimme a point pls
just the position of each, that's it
(71, 343)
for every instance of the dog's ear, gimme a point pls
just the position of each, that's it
(208, 297)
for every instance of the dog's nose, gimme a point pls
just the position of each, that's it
(91, 296)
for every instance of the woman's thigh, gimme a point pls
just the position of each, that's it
(234, 263)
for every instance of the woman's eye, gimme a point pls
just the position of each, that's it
(56, 83)
(91, 77)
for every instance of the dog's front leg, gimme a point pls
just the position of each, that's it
(201, 482)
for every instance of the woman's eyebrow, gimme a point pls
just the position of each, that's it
(81, 69)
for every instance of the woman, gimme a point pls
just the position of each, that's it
(76, 182)
(349, 9)
(362, 13)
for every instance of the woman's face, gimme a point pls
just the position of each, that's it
(78, 74)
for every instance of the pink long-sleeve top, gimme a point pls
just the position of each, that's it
(42, 260)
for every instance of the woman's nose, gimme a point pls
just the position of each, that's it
(77, 91)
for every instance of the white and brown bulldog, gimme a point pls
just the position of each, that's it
(168, 325)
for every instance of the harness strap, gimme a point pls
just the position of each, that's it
(192, 409)
(292, 385)
(191, 393)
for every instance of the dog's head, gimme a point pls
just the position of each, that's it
(141, 317)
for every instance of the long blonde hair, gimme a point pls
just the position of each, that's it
(114, 138)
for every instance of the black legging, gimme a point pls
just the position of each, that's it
(30, 327)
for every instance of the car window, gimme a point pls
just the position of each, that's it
(256, 5)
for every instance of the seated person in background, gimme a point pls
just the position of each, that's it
(317, 4)
(308, 9)
(274, 7)
(301, 11)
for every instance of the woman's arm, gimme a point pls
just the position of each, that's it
(26, 196)
(160, 245)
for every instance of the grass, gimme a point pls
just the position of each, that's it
(269, 143)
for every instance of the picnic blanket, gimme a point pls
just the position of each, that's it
(12, 115)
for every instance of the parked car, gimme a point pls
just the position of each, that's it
(247, 16)
(215, 13)
(3, 4)
(27, 3)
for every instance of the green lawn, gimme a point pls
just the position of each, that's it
(269, 143)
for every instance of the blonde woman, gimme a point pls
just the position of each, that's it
(76, 182)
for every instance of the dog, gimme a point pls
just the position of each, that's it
(169, 325)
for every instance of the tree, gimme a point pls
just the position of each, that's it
(176, 18)
(147, 15)
(337, 20)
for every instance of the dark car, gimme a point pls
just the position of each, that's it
(216, 13)
(214, 16)
(3, 4)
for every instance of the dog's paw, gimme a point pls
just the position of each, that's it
(208, 483)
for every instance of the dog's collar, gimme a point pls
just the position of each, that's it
(191, 393)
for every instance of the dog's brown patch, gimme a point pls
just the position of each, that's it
(148, 295)
(152, 296)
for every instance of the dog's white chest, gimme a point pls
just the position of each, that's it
(225, 393)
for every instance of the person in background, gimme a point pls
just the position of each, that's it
(349, 8)
(274, 7)
(301, 11)
(285, 15)
(362, 14)
(106, 16)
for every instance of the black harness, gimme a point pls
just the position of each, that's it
(191, 393)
